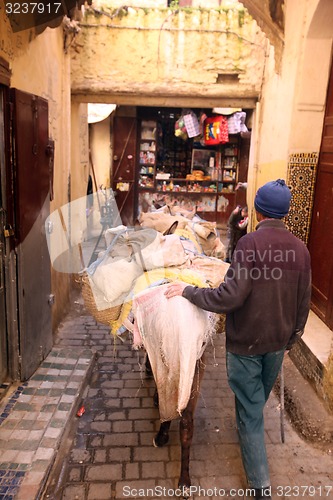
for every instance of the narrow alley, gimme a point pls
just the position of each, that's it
(109, 453)
(112, 113)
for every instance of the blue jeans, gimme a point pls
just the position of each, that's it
(251, 378)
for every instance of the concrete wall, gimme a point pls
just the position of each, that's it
(79, 150)
(79, 177)
(293, 103)
(163, 3)
(39, 66)
(12, 45)
(101, 151)
(218, 54)
(163, 57)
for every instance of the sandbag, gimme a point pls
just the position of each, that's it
(160, 221)
(113, 278)
(129, 254)
(164, 251)
(212, 269)
(206, 230)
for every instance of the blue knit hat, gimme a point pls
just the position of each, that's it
(273, 199)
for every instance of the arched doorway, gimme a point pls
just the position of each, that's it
(321, 235)
(321, 232)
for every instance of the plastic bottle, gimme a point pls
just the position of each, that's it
(214, 174)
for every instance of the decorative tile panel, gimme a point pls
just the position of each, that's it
(302, 168)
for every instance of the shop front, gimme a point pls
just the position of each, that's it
(193, 158)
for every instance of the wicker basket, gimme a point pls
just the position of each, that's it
(107, 315)
(220, 328)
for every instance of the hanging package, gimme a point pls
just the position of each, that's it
(216, 130)
(236, 123)
(180, 128)
(192, 124)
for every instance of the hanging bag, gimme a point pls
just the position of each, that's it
(192, 124)
(180, 129)
(216, 130)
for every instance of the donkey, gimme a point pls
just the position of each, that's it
(186, 426)
(164, 326)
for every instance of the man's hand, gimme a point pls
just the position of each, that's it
(294, 338)
(175, 289)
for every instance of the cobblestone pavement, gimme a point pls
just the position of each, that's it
(33, 419)
(110, 454)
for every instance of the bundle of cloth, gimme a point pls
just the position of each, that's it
(128, 255)
(189, 225)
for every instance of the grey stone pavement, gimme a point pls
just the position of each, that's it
(107, 453)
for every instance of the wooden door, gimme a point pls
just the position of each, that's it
(124, 171)
(3, 221)
(321, 236)
(32, 206)
(245, 143)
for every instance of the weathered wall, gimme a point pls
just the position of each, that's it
(162, 3)
(289, 128)
(79, 171)
(293, 103)
(164, 57)
(328, 382)
(160, 52)
(12, 45)
(100, 145)
(39, 66)
(79, 150)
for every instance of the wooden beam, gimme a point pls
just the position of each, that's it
(192, 101)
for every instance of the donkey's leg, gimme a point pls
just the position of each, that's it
(186, 435)
(148, 369)
(186, 427)
(162, 437)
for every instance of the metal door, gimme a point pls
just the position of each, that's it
(124, 175)
(32, 206)
(3, 326)
(321, 236)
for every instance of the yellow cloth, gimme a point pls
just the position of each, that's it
(189, 235)
(149, 278)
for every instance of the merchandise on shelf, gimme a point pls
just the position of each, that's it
(147, 154)
(177, 169)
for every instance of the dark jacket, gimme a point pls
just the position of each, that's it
(266, 292)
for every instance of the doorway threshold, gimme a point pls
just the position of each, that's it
(4, 388)
(318, 338)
